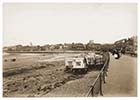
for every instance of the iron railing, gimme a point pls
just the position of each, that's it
(96, 86)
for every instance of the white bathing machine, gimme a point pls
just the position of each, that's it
(76, 64)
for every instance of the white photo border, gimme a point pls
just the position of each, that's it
(68, 1)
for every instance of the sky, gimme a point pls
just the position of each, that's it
(52, 23)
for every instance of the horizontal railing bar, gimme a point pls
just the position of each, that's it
(94, 83)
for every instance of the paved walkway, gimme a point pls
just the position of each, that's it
(121, 80)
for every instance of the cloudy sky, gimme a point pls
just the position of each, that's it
(43, 23)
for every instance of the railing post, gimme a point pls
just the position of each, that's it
(101, 92)
(104, 72)
(92, 91)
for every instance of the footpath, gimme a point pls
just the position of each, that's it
(122, 77)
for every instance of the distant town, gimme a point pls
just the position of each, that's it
(130, 45)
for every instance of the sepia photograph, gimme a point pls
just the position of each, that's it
(69, 50)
